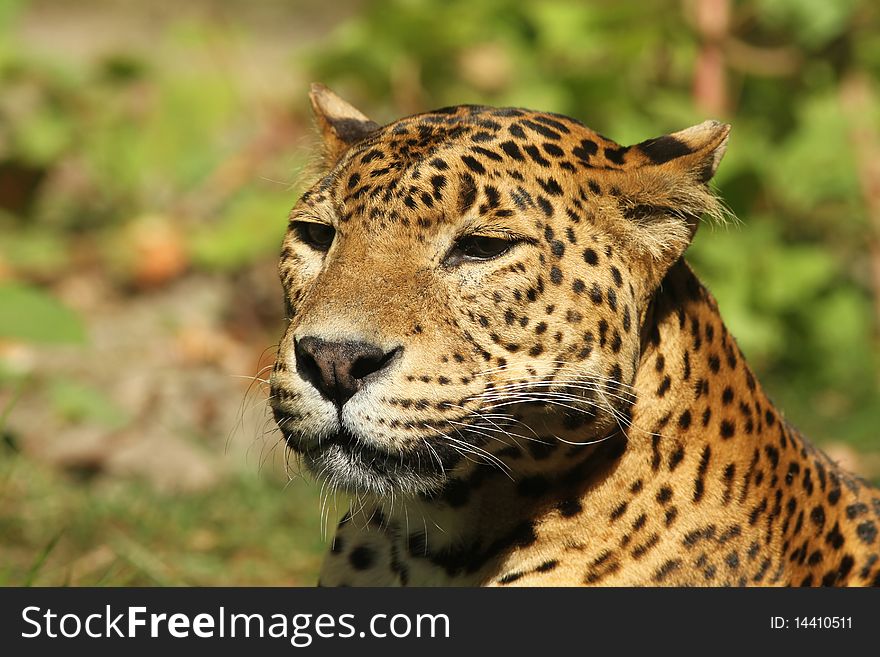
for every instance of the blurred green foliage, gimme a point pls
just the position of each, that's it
(93, 146)
(35, 316)
(88, 146)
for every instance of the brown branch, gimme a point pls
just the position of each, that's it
(859, 101)
(711, 20)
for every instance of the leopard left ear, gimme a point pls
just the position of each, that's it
(341, 124)
(696, 151)
(663, 192)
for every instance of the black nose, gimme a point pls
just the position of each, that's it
(340, 369)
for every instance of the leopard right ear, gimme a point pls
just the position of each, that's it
(341, 124)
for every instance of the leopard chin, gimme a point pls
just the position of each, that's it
(350, 464)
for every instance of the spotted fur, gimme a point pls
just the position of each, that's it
(569, 411)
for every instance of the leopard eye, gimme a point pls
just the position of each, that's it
(317, 236)
(478, 248)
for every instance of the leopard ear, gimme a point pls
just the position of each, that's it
(695, 151)
(341, 124)
(664, 191)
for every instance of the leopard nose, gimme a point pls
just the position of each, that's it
(340, 369)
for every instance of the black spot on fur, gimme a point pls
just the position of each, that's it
(473, 164)
(586, 149)
(569, 508)
(361, 558)
(616, 154)
(512, 150)
(467, 195)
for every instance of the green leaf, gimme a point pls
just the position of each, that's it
(33, 315)
(813, 22)
(252, 227)
(81, 403)
(796, 275)
(35, 252)
(44, 135)
(9, 12)
(817, 163)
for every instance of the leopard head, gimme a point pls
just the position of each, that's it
(466, 287)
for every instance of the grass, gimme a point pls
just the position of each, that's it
(58, 530)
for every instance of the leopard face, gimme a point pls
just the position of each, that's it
(465, 286)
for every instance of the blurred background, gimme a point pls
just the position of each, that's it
(149, 153)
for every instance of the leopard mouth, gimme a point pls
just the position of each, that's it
(351, 463)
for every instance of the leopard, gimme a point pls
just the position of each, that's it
(496, 351)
